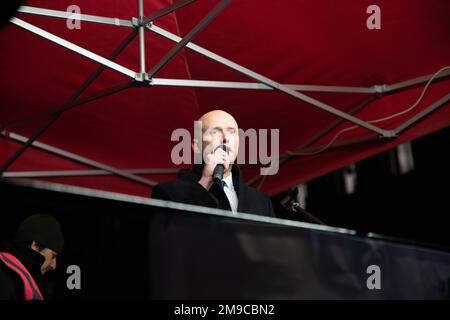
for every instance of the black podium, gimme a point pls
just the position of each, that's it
(138, 248)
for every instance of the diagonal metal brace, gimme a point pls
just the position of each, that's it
(187, 38)
(164, 11)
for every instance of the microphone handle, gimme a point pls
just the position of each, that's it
(218, 173)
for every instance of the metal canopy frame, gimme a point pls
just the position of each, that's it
(83, 160)
(144, 23)
(80, 173)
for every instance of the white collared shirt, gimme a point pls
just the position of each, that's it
(230, 192)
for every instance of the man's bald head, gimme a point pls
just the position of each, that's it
(215, 116)
(219, 127)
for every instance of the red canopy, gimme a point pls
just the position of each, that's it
(321, 49)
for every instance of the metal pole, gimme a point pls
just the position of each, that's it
(361, 105)
(95, 96)
(28, 143)
(70, 15)
(81, 173)
(82, 160)
(73, 47)
(187, 38)
(255, 85)
(441, 102)
(166, 10)
(141, 37)
(389, 88)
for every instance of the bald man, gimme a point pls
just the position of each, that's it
(197, 187)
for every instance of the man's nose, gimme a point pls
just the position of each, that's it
(225, 137)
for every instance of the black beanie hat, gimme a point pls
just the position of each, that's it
(41, 228)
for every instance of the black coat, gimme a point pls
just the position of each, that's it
(186, 189)
(11, 285)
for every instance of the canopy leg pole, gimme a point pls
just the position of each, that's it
(141, 37)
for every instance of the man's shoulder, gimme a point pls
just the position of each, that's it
(179, 184)
(173, 184)
(255, 193)
(256, 202)
(185, 191)
(182, 190)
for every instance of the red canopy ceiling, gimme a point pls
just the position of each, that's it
(291, 42)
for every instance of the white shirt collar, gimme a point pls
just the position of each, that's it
(231, 194)
(229, 181)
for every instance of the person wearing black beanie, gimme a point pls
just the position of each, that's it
(28, 256)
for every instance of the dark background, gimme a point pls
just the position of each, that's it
(414, 206)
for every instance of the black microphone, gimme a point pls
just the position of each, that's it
(219, 169)
(290, 203)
